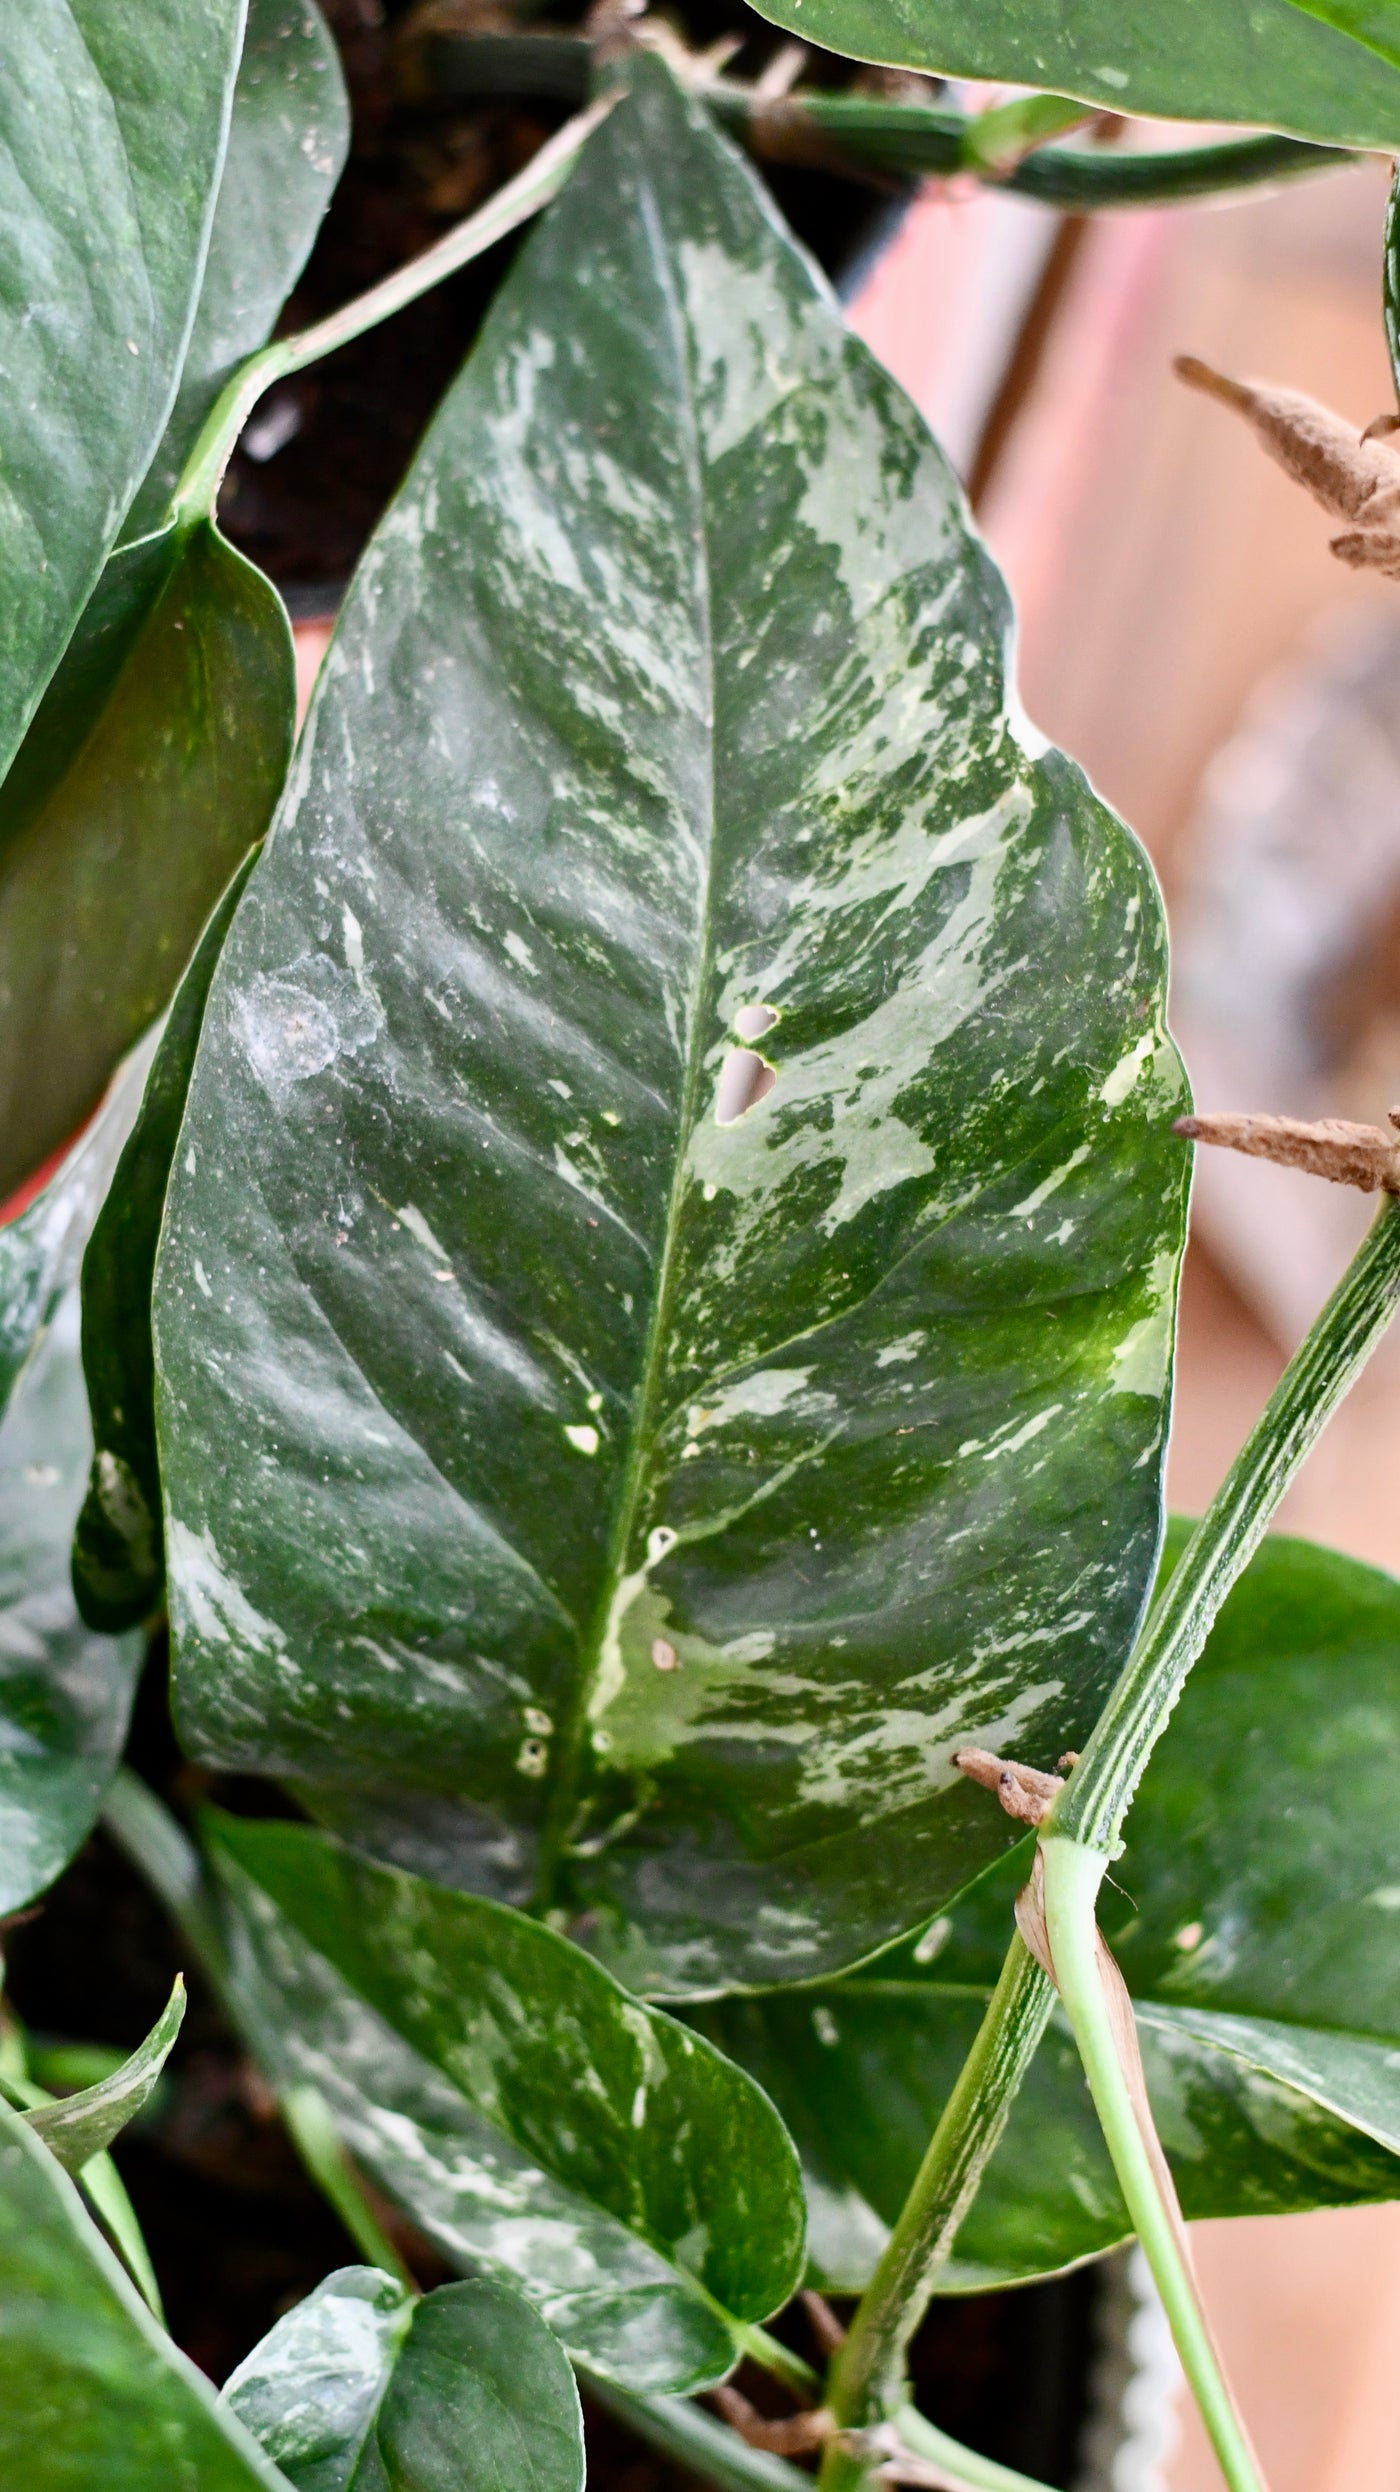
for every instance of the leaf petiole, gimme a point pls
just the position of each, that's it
(1108, 2048)
(518, 200)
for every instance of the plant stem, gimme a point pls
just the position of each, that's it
(778, 2360)
(543, 177)
(968, 2465)
(867, 2378)
(1095, 1800)
(900, 141)
(694, 2438)
(160, 1850)
(311, 2127)
(1072, 1880)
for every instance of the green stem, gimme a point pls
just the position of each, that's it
(160, 1850)
(899, 141)
(867, 2378)
(311, 2127)
(543, 177)
(778, 2360)
(966, 2464)
(1072, 1879)
(1096, 1798)
(699, 2443)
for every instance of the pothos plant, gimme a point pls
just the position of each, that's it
(621, 1293)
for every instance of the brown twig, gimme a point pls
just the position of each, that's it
(1354, 475)
(1359, 1155)
(825, 2325)
(796, 2435)
(1023, 1790)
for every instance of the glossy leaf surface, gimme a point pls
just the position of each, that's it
(92, 2391)
(65, 1693)
(113, 120)
(536, 2121)
(286, 146)
(1269, 62)
(1263, 1864)
(117, 1554)
(41, 1250)
(363, 2389)
(153, 765)
(83, 2125)
(618, 1506)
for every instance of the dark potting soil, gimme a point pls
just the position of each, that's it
(326, 451)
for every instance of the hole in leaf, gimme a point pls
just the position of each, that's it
(744, 1080)
(751, 1020)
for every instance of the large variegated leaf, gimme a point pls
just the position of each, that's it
(113, 121)
(65, 1693)
(1263, 1867)
(1323, 68)
(584, 1488)
(538, 2123)
(366, 2388)
(92, 2391)
(286, 145)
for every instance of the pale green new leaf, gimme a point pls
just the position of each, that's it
(82, 2125)
(582, 1491)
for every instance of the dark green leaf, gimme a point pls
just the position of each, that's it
(152, 767)
(84, 2124)
(1258, 61)
(117, 1556)
(113, 120)
(92, 2391)
(537, 2122)
(363, 2389)
(286, 145)
(585, 1499)
(1263, 1867)
(42, 1250)
(65, 1693)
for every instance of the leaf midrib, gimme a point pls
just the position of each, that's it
(570, 1742)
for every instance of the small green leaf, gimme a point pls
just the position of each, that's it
(1263, 1868)
(535, 2120)
(583, 1493)
(65, 1693)
(92, 2391)
(365, 2388)
(113, 122)
(152, 767)
(1259, 61)
(310, 2392)
(118, 1564)
(42, 1250)
(82, 2125)
(286, 146)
